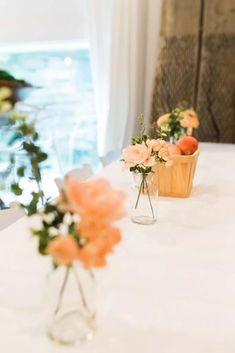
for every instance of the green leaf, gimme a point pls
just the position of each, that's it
(20, 171)
(30, 147)
(41, 157)
(15, 188)
(42, 246)
(33, 205)
(48, 208)
(35, 136)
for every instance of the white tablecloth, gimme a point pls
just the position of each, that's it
(169, 287)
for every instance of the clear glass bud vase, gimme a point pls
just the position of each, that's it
(71, 303)
(144, 195)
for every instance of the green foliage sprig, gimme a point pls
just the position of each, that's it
(172, 127)
(26, 134)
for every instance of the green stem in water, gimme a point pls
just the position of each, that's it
(79, 285)
(149, 198)
(140, 189)
(62, 289)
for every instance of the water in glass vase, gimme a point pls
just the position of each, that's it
(71, 298)
(144, 199)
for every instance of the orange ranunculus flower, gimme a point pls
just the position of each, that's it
(190, 119)
(64, 250)
(163, 120)
(94, 253)
(95, 199)
(101, 238)
(92, 229)
(134, 155)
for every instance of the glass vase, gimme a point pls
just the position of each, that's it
(144, 196)
(71, 302)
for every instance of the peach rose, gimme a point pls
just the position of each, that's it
(163, 120)
(150, 162)
(95, 252)
(91, 228)
(165, 154)
(156, 145)
(95, 199)
(64, 250)
(190, 119)
(136, 154)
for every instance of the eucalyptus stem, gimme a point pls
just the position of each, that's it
(62, 289)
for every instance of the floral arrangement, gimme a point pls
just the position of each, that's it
(180, 122)
(145, 152)
(77, 226)
(141, 157)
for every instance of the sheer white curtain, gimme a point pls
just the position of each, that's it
(123, 48)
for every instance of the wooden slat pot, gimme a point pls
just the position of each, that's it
(176, 180)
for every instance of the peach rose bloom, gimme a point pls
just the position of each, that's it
(165, 154)
(95, 199)
(91, 228)
(64, 250)
(150, 162)
(163, 119)
(156, 145)
(190, 119)
(94, 253)
(136, 154)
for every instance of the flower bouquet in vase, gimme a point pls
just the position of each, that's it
(77, 230)
(141, 157)
(177, 181)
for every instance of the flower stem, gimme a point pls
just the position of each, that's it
(147, 188)
(140, 189)
(62, 289)
(84, 302)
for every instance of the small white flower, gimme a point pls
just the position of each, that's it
(49, 217)
(68, 218)
(63, 229)
(53, 231)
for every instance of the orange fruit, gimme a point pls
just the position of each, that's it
(188, 145)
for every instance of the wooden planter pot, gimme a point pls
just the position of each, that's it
(177, 180)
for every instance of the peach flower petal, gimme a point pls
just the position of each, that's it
(64, 250)
(190, 119)
(95, 199)
(165, 154)
(156, 145)
(163, 120)
(134, 155)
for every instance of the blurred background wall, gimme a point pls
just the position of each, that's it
(196, 63)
